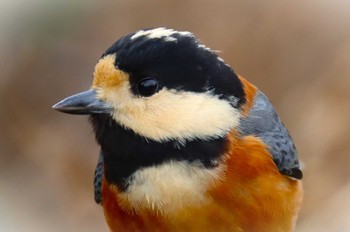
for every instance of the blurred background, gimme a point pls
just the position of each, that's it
(297, 52)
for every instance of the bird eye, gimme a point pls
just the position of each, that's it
(148, 86)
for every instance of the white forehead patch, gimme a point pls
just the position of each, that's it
(161, 33)
(170, 187)
(204, 47)
(221, 60)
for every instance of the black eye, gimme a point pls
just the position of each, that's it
(148, 86)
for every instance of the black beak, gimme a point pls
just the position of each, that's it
(83, 103)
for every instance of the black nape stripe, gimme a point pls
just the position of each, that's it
(125, 152)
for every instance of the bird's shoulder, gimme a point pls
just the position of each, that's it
(263, 122)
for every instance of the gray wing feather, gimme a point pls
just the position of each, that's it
(263, 122)
(98, 180)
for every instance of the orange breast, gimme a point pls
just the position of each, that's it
(251, 196)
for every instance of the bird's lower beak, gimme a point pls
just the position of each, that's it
(83, 103)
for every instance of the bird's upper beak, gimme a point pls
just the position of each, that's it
(83, 103)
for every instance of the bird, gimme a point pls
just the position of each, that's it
(186, 144)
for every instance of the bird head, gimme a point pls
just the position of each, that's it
(164, 85)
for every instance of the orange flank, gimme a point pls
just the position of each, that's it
(251, 196)
(258, 197)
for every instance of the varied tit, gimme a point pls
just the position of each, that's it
(186, 143)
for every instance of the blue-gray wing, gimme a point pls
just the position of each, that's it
(263, 122)
(98, 180)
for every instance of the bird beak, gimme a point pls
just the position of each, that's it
(83, 103)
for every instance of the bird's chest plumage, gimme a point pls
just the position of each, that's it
(234, 196)
(168, 197)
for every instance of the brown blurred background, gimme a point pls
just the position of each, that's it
(297, 52)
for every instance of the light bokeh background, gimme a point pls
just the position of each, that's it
(297, 52)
